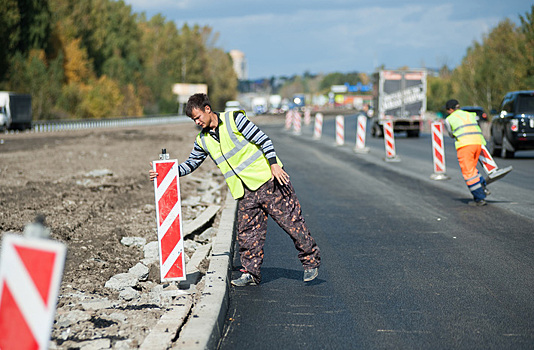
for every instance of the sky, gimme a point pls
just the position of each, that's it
(292, 37)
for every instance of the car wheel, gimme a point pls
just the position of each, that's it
(492, 148)
(412, 133)
(505, 153)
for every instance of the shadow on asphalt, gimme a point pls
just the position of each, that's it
(269, 274)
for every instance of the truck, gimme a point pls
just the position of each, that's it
(15, 111)
(399, 96)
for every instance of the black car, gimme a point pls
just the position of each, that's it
(481, 115)
(513, 128)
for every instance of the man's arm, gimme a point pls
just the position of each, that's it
(253, 134)
(196, 158)
(448, 127)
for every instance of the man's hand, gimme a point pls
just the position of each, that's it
(279, 174)
(152, 174)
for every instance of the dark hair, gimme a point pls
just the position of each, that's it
(199, 101)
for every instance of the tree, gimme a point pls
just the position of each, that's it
(35, 76)
(527, 47)
(490, 69)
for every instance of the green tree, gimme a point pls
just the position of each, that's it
(490, 68)
(527, 47)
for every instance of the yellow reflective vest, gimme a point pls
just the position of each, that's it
(465, 129)
(241, 162)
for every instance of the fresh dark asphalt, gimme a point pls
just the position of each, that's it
(407, 264)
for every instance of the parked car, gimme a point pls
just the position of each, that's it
(512, 129)
(481, 115)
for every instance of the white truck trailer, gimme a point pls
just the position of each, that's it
(399, 96)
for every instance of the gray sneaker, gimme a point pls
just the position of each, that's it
(486, 191)
(310, 274)
(246, 279)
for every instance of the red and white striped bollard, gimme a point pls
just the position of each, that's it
(297, 123)
(360, 135)
(289, 119)
(340, 130)
(438, 152)
(307, 116)
(30, 276)
(389, 141)
(169, 219)
(490, 166)
(318, 127)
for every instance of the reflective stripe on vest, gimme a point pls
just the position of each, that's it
(239, 160)
(465, 129)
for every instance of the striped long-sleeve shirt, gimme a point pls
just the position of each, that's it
(250, 132)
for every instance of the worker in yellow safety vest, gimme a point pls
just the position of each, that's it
(255, 176)
(463, 127)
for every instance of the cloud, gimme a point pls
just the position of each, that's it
(291, 37)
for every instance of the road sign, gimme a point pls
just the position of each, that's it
(169, 220)
(30, 276)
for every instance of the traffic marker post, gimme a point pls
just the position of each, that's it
(389, 142)
(30, 276)
(438, 152)
(289, 119)
(169, 219)
(307, 116)
(490, 166)
(360, 135)
(297, 123)
(340, 130)
(318, 127)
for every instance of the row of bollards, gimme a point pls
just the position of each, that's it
(294, 120)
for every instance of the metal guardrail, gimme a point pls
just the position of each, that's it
(82, 124)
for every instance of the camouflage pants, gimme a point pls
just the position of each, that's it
(281, 203)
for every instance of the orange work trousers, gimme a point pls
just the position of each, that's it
(468, 159)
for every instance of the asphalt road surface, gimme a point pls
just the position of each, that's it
(406, 263)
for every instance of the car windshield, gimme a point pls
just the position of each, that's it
(525, 104)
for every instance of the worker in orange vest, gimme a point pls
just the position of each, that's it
(464, 128)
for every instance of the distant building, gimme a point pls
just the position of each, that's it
(240, 64)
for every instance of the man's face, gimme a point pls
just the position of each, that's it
(201, 117)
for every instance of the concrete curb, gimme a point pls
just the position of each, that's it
(206, 322)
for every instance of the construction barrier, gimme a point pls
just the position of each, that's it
(289, 119)
(389, 141)
(318, 127)
(360, 135)
(169, 219)
(340, 130)
(438, 152)
(30, 276)
(490, 167)
(297, 123)
(307, 117)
